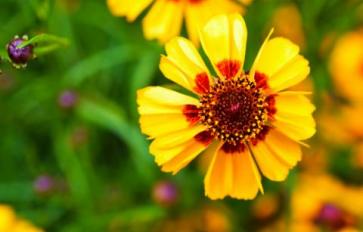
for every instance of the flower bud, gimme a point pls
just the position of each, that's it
(19, 56)
(165, 193)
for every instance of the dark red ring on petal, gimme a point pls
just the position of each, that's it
(271, 105)
(202, 84)
(230, 148)
(261, 80)
(260, 136)
(204, 137)
(229, 68)
(191, 112)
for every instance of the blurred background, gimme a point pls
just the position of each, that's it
(72, 157)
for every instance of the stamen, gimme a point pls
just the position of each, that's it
(236, 111)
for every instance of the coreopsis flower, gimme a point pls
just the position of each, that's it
(165, 18)
(10, 223)
(322, 203)
(346, 66)
(245, 118)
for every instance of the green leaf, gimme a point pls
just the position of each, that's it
(19, 192)
(73, 169)
(109, 116)
(101, 61)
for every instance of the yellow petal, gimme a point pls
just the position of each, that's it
(296, 128)
(268, 163)
(175, 150)
(182, 159)
(224, 40)
(259, 54)
(293, 103)
(129, 8)
(287, 150)
(184, 65)
(164, 20)
(219, 177)
(274, 55)
(24, 226)
(175, 139)
(196, 15)
(232, 174)
(156, 95)
(7, 217)
(279, 59)
(291, 74)
(161, 124)
(247, 179)
(161, 110)
(294, 115)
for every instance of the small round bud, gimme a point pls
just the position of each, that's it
(165, 193)
(44, 184)
(19, 56)
(67, 99)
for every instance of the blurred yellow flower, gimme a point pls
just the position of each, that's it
(287, 23)
(322, 202)
(10, 223)
(348, 126)
(165, 18)
(346, 66)
(244, 118)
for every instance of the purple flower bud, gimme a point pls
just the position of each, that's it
(43, 184)
(165, 193)
(67, 99)
(19, 56)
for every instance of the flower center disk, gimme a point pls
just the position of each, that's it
(234, 110)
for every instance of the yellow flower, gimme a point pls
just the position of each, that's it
(9, 222)
(322, 202)
(348, 127)
(244, 118)
(165, 18)
(346, 66)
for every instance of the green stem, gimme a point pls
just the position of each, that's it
(45, 38)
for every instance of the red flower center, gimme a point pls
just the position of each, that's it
(235, 110)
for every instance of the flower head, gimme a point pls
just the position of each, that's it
(19, 55)
(165, 18)
(243, 117)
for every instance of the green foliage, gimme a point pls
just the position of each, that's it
(95, 149)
